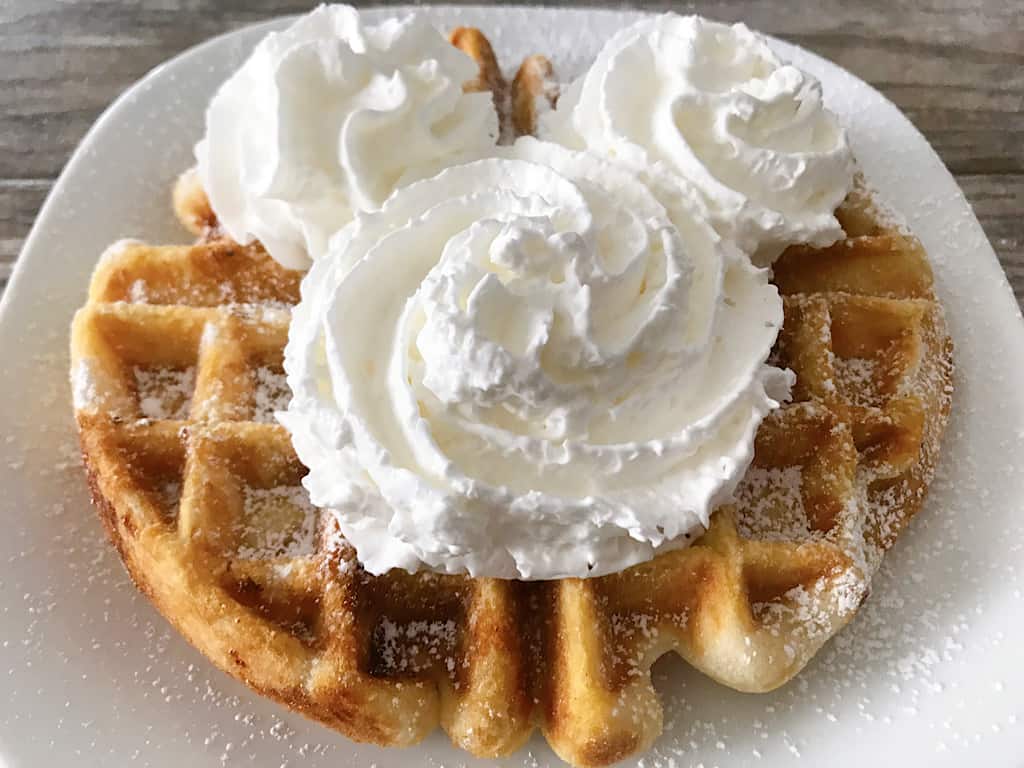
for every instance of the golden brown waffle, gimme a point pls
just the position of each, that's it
(176, 369)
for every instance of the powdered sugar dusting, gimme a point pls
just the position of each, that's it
(278, 522)
(84, 391)
(271, 393)
(165, 393)
(771, 506)
(806, 612)
(138, 292)
(414, 646)
(855, 377)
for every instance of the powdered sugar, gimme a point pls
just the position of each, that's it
(771, 506)
(271, 393)
(414, 646)
(138, 292)
(165, 393)
(277, 522)
(856, 377)
(84, 390)
(807, 612)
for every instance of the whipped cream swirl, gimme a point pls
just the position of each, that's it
(535, 365)
(327, 118)
(716, 104)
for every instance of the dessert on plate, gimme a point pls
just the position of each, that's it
(474, 397)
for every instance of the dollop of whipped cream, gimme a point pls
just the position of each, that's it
(328, 117)
(535, 365)
(713, 102)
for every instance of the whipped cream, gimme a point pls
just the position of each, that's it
(714, 103)
(327, 118)
(535, 365)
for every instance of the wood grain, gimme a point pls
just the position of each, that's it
(956, 67)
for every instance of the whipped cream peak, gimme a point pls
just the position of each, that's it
(327, 118)
(715, 104)
(534, 365)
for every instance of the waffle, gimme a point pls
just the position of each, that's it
(176, 372)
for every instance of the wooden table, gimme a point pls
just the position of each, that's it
(956, 67)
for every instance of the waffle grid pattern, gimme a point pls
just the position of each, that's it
(210, 518)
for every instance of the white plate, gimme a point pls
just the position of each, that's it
(929, 673)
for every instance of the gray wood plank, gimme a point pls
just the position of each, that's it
(997, 202)
(20, 200)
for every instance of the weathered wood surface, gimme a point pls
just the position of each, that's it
(956, 67)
